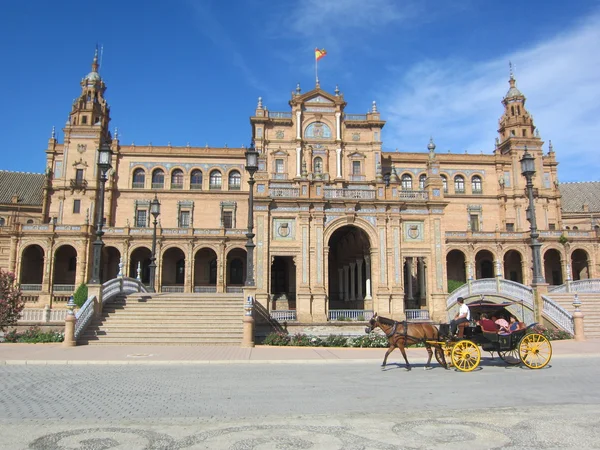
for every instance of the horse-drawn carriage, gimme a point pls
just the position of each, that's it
(522, 346)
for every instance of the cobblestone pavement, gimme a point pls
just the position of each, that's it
(266, 406)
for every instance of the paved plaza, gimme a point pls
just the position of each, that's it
(298, 403)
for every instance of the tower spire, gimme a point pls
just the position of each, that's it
(95, 61)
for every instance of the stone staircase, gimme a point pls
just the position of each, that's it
(590, 307)
(169, 319)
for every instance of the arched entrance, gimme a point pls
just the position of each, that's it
(205, 270)
(110, 263)
(513, 267)
(173, 270)
(552, 267)
(456, 269)
(140, 256)
(579, 265)
(65, 268)
(236, 269)
(32, 267)
(283, 282)
(349, 268)
(484, 264)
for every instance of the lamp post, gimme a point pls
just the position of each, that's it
(251, 167)
(155, 211)
(104, 158)
(528, 171)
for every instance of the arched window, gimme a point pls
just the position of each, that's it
(576, 228)
(2, 221)
(459, 184)
(235, 180)
(158, 179)
(422, 179)
(30, 221)
(476, 185)
(318, 165)
(139, 179)
(406, 182)
(215, 180)
(445, 183)
(177, 179)
(196, 179)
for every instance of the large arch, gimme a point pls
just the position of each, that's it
(205, 270)
(349, 262)
(484, 264)
(65, 265)
(32, 265)
(283, 282)
(579, 264)
(111, 256)
(513, 266)
(140, 256)
(552, 267)
(236, 267)
(173, 269)
(456, 268)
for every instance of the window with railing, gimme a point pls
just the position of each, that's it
(196, 179)
(406, 182)
(141, 218)
(184, 219)
(318, 165)
(422, 179)
(227, 219)
(139, 179)
(459, 185)
(476, 185)
(177, 179)
(215, 180)
(356, 168)
(474, 219)
(158, 179)
(235, 181)
(445, 184)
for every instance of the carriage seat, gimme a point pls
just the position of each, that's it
(461, 329)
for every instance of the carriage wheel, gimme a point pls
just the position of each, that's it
(446, 351)
(466, 356)
(510, 357)
(535, 350)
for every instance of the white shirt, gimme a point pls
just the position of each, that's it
(464, 309)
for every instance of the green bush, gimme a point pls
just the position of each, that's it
(454, 285)
(304, 340)
(34, 335)
(371, 340)
(335, 340)
(277, 338)
(81, 295)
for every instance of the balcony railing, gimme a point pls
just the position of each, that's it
(196, 186)
(205, 289)
(413, 195)
(64, 288)
(350, 314)
(78, 184)
(176, 185)
(31, 287)
(158, 185)
(358, 177)
(234, 289)
(172, 289)
(215, 187)
(287, 315)
(355, 117)
(279, 176)
(140, 185)
(417, 314)
(235, 187)
(284, 192)
(280, 115)
(477, 191)
(364, 194)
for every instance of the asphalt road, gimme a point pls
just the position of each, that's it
(284, 406)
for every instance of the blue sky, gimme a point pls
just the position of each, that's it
(191, 71)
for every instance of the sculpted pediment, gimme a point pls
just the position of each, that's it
(319, 99)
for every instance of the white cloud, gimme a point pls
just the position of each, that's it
(458, 102)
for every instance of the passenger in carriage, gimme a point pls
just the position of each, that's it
(515, 325)
(487, 324)
(503, 326)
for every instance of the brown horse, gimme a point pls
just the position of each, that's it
(401, 334)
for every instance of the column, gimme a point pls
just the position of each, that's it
(359, 263)
(298, 161)
(421, 278)
(352, 282)
(408, 281)
(346, 284)
(498, 265)
(368, 277)
(338, 126)
(298, 124)
(341, 283)
(339, 162)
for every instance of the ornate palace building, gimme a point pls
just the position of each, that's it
(340, 224)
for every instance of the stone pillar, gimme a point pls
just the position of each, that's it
(12, 259)
(221, 268)
(338, 152)
(338, 126)
(346, 284)
(578, 320)
(298, 161)
(341, 283)
(352, 281)
(298, 124)
(368, 295)
(69, 339)
(189, 269)
(408, 282)
(248, 320)
(421, 279)
(359, 263)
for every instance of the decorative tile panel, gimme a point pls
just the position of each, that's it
(413, 231)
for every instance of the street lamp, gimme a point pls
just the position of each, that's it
(155, 211)
(528, 171)
(104, 158)
(251, 167)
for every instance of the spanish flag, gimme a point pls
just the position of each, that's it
(319, 53)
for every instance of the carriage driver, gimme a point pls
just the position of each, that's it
(463, 315)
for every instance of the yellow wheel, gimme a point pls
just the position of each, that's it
(443, 353)
(466, 356)
(535, 350)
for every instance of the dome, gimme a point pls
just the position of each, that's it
(513, 91)
(93, 76)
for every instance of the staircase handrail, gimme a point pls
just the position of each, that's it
(590, 285)
(492, 286)
(557, 314)
(121, 285)
(84, 316)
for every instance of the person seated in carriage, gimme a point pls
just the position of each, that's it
(515, 325)
(503, 326)
(487, 324)
(463, 315)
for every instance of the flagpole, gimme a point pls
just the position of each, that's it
(316, 70)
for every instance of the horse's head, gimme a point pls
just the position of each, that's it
(373, 323)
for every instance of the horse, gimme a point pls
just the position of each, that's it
(401, 334)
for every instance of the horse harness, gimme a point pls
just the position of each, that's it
(405, 335)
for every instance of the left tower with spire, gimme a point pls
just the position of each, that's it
(71, 167)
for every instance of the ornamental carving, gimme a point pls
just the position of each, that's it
(279, 134)
(81, 148)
